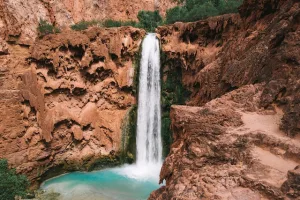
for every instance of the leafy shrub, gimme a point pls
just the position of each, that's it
(112, 23)
(129, 23)
(11, 184)
(194, 10)
(82, 25)
(115, 23)
(175, 14)
(45, 28)
(149, 20)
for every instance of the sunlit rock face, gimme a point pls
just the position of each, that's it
(222, 53)
(19, 19)
(230, 149)
(237, 138)
(64, 99)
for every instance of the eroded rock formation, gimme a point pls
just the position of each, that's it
(230, 149)
(19, 19)
(64, 99)
(245, 143)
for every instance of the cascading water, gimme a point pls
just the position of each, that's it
(130, 181)
(148, 143)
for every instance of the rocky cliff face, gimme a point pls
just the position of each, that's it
(245, 143)
(19, 19)
(64, 98)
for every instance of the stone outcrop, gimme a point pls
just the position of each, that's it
(230, 149)
(237, 137)
(223, 53)
(64, 98)
(19, 19)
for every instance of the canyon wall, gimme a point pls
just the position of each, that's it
(237, 134)
(63, 100)
(19, 19)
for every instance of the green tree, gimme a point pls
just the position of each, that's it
(193, 10)
(149, 20)
(11, 184)
(175, 14)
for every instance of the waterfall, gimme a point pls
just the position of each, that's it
(148, 135)
(148, 141)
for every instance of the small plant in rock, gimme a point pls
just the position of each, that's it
(11, 184)
(82, 25)
(112, 23)
(45, 28)
(115, 23)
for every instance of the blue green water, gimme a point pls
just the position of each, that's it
(109, 184)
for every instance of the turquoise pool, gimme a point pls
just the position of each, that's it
(126, 183)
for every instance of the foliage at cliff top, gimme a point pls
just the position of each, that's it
(11, 184)
(46, 28)
(148, 20)
(187, 11)
(194, 10)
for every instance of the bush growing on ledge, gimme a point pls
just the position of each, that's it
(11, 184)
(113, 23)
(149, 20)
(194, 10)
(82, 25)
(45, 28)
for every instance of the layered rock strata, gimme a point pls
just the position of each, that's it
(64, 99)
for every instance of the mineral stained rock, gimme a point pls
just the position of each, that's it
(237, 137)
(19, 19)
(230, 149)
(223, 53)
(64, 98)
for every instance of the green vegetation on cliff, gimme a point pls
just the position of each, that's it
(147, 20)
(82, 25)
(193, 10)
(187, 11)
(11, 184)
(128, 154)
(173, 93)
(129, 136)
(46, 28)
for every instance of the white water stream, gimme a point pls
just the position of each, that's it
(148, 143)
(148, 140)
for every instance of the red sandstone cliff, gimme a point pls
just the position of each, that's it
(19, 19)
(244, 143)
(64, 99)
